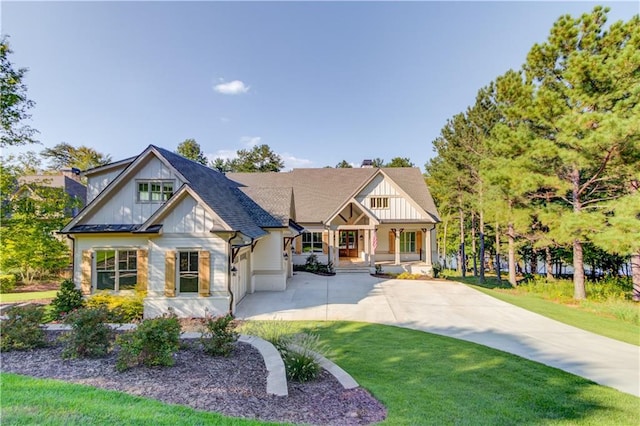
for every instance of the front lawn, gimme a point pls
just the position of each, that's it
(420, 377)
(25, 297)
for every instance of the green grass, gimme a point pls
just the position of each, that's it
(25, 297)
(421, 378)
(29, 401)
(596, 317)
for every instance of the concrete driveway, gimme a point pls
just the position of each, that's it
(455, 310)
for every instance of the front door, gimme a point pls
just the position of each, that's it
(348, 244)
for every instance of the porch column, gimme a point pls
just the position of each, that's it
(372, 256)
(367, 248)
(336, 249)
(427, 246)
(397, 251)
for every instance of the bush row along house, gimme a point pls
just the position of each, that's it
(198, 240)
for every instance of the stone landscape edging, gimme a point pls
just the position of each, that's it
(276, 373)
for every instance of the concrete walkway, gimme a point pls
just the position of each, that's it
(455, 310)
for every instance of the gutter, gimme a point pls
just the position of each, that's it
(235, 234)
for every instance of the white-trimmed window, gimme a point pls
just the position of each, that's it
(188, 272)
(311, 242)
(379, 202)
(154, 191)
(116, 269)
(408, 242)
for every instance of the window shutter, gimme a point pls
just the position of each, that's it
(325, 242)
(170, 274)
(85, 272)
(142, 263)
(204, 276)
(392, 242)
(418, 241)
(298, 241)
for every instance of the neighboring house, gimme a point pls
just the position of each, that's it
(198, 240)
(68, 180)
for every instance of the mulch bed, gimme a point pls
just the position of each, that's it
(234, 386)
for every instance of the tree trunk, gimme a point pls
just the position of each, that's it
(548, 265)
(444, 245)
(481, 247)
(533, 262)
(579, 292)
(635, 273)
(473, 244)
(512, 255)
(498, 266)
(463, 261)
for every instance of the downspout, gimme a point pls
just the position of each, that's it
(235, 234)
(73, 258)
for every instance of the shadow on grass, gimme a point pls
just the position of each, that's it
(424, 378)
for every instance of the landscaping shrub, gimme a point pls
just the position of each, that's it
(90, 336)
(153, 343)
(68, 299)
(21, 330)
(436, 268)
(7, 283)
(314, 266)
(219, 335)
(300, 356)
(121, 309)
(408, 276)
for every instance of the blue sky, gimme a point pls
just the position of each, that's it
(318, 82)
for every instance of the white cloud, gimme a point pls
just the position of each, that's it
(250, 141)
(291, 162)
(225, 154)
(235, 87)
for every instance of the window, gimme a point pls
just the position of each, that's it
(154, 191)
(312, 242)
(116, 269)
(408, 242)
(379, 202)
(188, 271)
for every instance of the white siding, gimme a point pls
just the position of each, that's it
(96, 183)
(399, 207)
(123, 207)
(269, 253)
(188, 217)
(217, 250)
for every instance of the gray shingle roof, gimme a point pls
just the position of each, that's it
(320, 192)
(73, 188)
(277, 201)
(239, 211)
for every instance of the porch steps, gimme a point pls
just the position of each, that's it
(352, 270)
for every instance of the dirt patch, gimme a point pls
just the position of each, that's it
(37, 286)
(234, 386)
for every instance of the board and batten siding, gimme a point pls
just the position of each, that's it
(216, 247)
(399, 207)
(123, 206)
(96, 183)
(187, 217)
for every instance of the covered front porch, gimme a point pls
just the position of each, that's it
(352, 265)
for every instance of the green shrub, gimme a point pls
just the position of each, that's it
(408, 276)
(21, 330)
(90, 336)
(68, 299)
(436, 268)
(153, 343)
(121, 309)
(7, 283)
(300, 356)
(219, 336)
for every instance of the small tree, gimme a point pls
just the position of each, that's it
(344, 165)
(68, 299)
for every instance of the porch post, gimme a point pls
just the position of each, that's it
(397, 251)
(367, 248)
(427, 246)
(336, 247)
